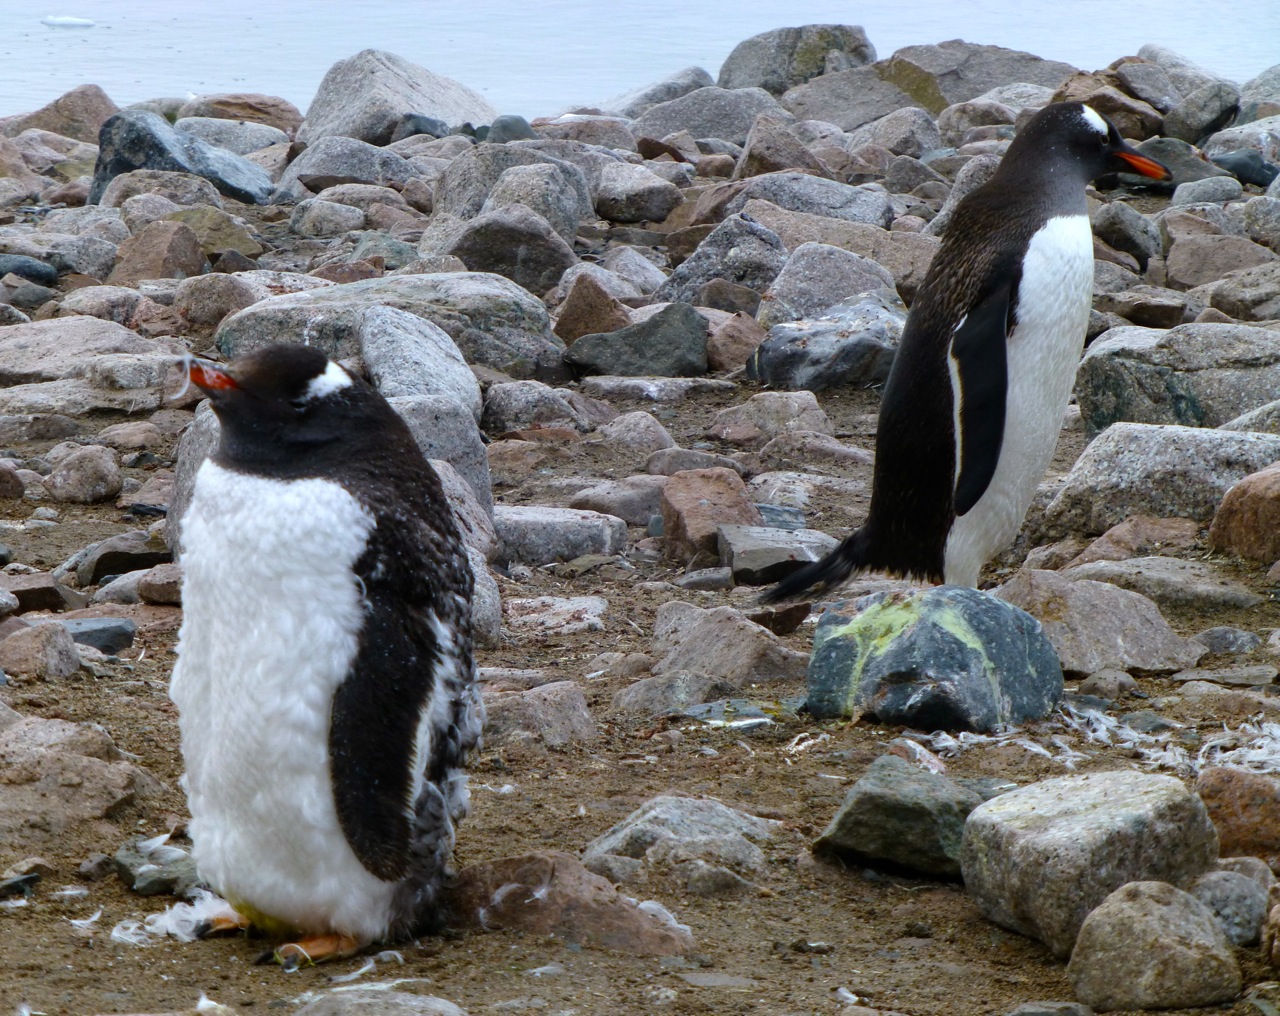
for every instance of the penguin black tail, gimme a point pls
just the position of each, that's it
(852, 555)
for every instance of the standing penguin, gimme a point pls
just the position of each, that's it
(973, 405)
(325, 681)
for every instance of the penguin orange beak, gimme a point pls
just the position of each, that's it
(211, 378)
(1139, 163)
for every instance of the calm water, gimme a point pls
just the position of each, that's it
(539, 58)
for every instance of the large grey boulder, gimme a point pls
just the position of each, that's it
(492, 320)
(801, 192)
(136, 139)
(815, 278)
(852, 343)
(786, 57)
(629, 193)
(1185, 75)
(1038, 859)
(239, 136)
(907, 131)
(937, 76)
(1198, 375)
(709, 112)
(1097, 626)
(1250, 294)
(1261, 136)
(63, 348)
(633, 103)
(738, 250)
(338, 160)
(466, 183)
(513, 241)
(542, 188)
(364, 97)
(847, 99)
(1161, 470)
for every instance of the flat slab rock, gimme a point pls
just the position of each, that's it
(1097, 626)
(760, 555)
(947, 658)
(1170, 582)
(1038, 859)
(655, 389)
(552, 894)
(676, 829)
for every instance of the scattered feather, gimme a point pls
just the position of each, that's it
(550, 970)
(13, 904)
(131, 933)
(85, 923)
(72, 890)
(655, 909)
(367, 967)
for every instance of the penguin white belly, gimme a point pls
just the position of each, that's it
(1043, 353)
(272, 614)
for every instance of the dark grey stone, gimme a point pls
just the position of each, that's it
(1248, 166)
(1183, 160)
(109, 634)
(136, 139)
(671, 343)
(671, 693)
(1053, 1008)
(510, 127)
(903, 815)
(1222, 639)
(949, 658)
(159, 871)
(30, 269)
(739, 250)
(853, 343)
(412, 124)
(1127, 230)
(117, 555)
(1151, 83)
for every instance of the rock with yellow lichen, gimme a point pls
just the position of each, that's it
(948, 658)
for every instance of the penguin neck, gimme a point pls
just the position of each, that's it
(1052, 181)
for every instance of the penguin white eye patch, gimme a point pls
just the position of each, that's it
(1094, 119)
(333, 379)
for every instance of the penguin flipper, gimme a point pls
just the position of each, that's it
(826, 574)
(980, 370)
(415, 644)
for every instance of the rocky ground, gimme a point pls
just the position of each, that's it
(668, 315)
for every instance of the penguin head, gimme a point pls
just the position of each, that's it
(284, 401)
(1078, 136)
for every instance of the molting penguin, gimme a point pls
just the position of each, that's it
(973, 405)
(325, 681)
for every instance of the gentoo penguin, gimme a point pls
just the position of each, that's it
(974, 402)
(325, 682)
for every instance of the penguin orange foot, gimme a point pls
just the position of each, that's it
(310, 951)
(223, 924)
